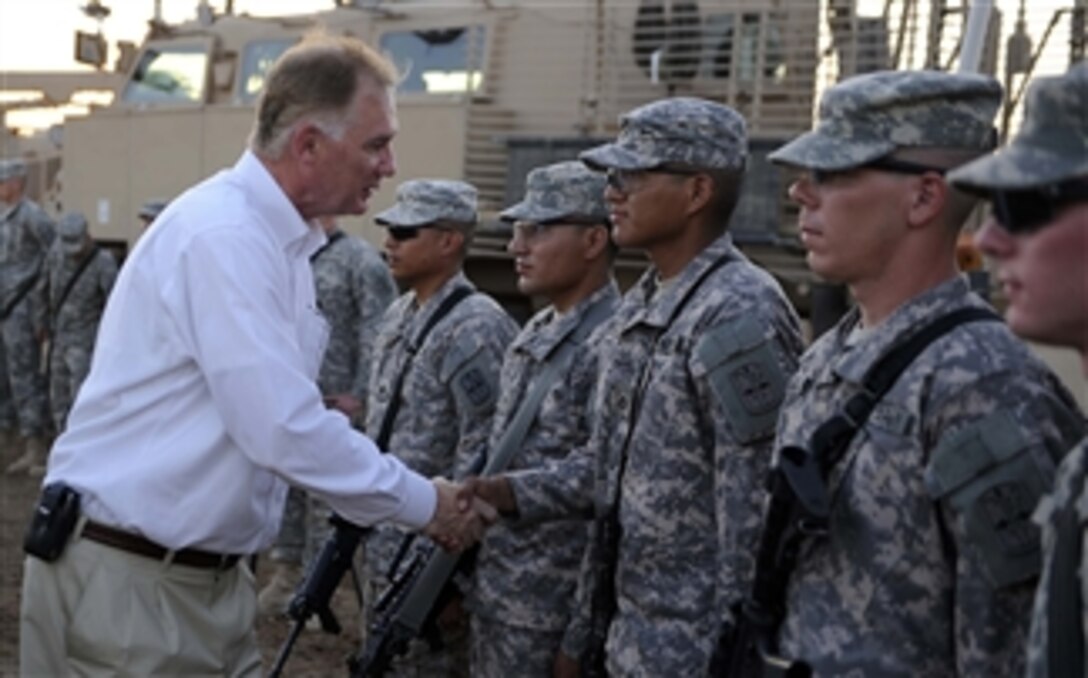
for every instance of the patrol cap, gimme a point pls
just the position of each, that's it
(565, 190)
(869, 116)
(680, 130)
(72, 232)
(12, 168)
(1051, 146)
(424, 201)
(152, 208)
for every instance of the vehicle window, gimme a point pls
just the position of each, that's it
(740, 60)
(169, 74)
(438, 60)
(257, 57)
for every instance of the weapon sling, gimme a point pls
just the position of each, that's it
(385, 431)
(801, 478)
(411, 603)
(70, 285)
(1064, 626)
(24, 287)
(328, 243)
(603, 597)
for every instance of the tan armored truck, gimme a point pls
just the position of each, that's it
(493, 88)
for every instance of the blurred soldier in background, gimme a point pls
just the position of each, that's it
(70, 297)
(1038, 236)
(149, 211)
(929, 560)
(527, 573)
(435, 372)
(26, 233)
(354, 287)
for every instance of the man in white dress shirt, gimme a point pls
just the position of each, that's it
(201, 404)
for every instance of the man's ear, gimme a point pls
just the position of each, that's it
(597, 241)
(452, 242)
(304, 143)
(700, 191)
(927, 200)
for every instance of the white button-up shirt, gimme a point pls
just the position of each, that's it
(201, 398)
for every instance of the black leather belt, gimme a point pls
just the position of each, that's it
(133, 543)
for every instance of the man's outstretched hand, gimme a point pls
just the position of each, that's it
(459, 518)
(495, 490)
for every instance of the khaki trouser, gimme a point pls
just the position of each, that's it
(100, 611)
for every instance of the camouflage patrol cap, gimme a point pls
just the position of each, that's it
(565, 190)
(1051, 146)
(151, 209)
(680, 130)
(12, 168)
(424, 201)
(872, 115)
(72, 232)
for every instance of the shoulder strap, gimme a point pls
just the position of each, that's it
(386, 429)
(830, 440)
(555, 365)
(328, 243)
(21, 291)
(1064, 622)
(83, 265)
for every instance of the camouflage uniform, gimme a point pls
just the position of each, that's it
(354, 287)
(449, 392)
(927, 567)
(1050, 149)
(72, 321)
(25, 235)
(691, 404)
(526, 573)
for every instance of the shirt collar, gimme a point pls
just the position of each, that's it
(659, 305)
(549, 330)
(904, 321)
(286, 225)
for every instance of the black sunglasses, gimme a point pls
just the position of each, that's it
(1026, 211)
(625, 181)
(402, 233)
(885, 164)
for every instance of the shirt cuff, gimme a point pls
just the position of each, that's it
(420, 503)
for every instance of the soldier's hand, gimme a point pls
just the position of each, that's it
(495, 490)
(457, 524)
(346, 403)
(565, 666)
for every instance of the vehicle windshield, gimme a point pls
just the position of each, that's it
(438, 60)
(257, 58)
(169, 74)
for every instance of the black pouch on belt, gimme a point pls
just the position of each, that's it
(53, 521)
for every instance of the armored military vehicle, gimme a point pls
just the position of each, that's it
(493, 88)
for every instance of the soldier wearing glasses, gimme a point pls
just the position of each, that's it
(446, 397)
(929, 560)
(1038, 236)
(693, 368)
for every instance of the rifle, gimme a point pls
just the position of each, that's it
(799, 508)
(408, 609)
(322, 579)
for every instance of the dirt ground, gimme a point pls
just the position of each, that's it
(314, 654)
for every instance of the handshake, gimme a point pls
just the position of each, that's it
(466, 509)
